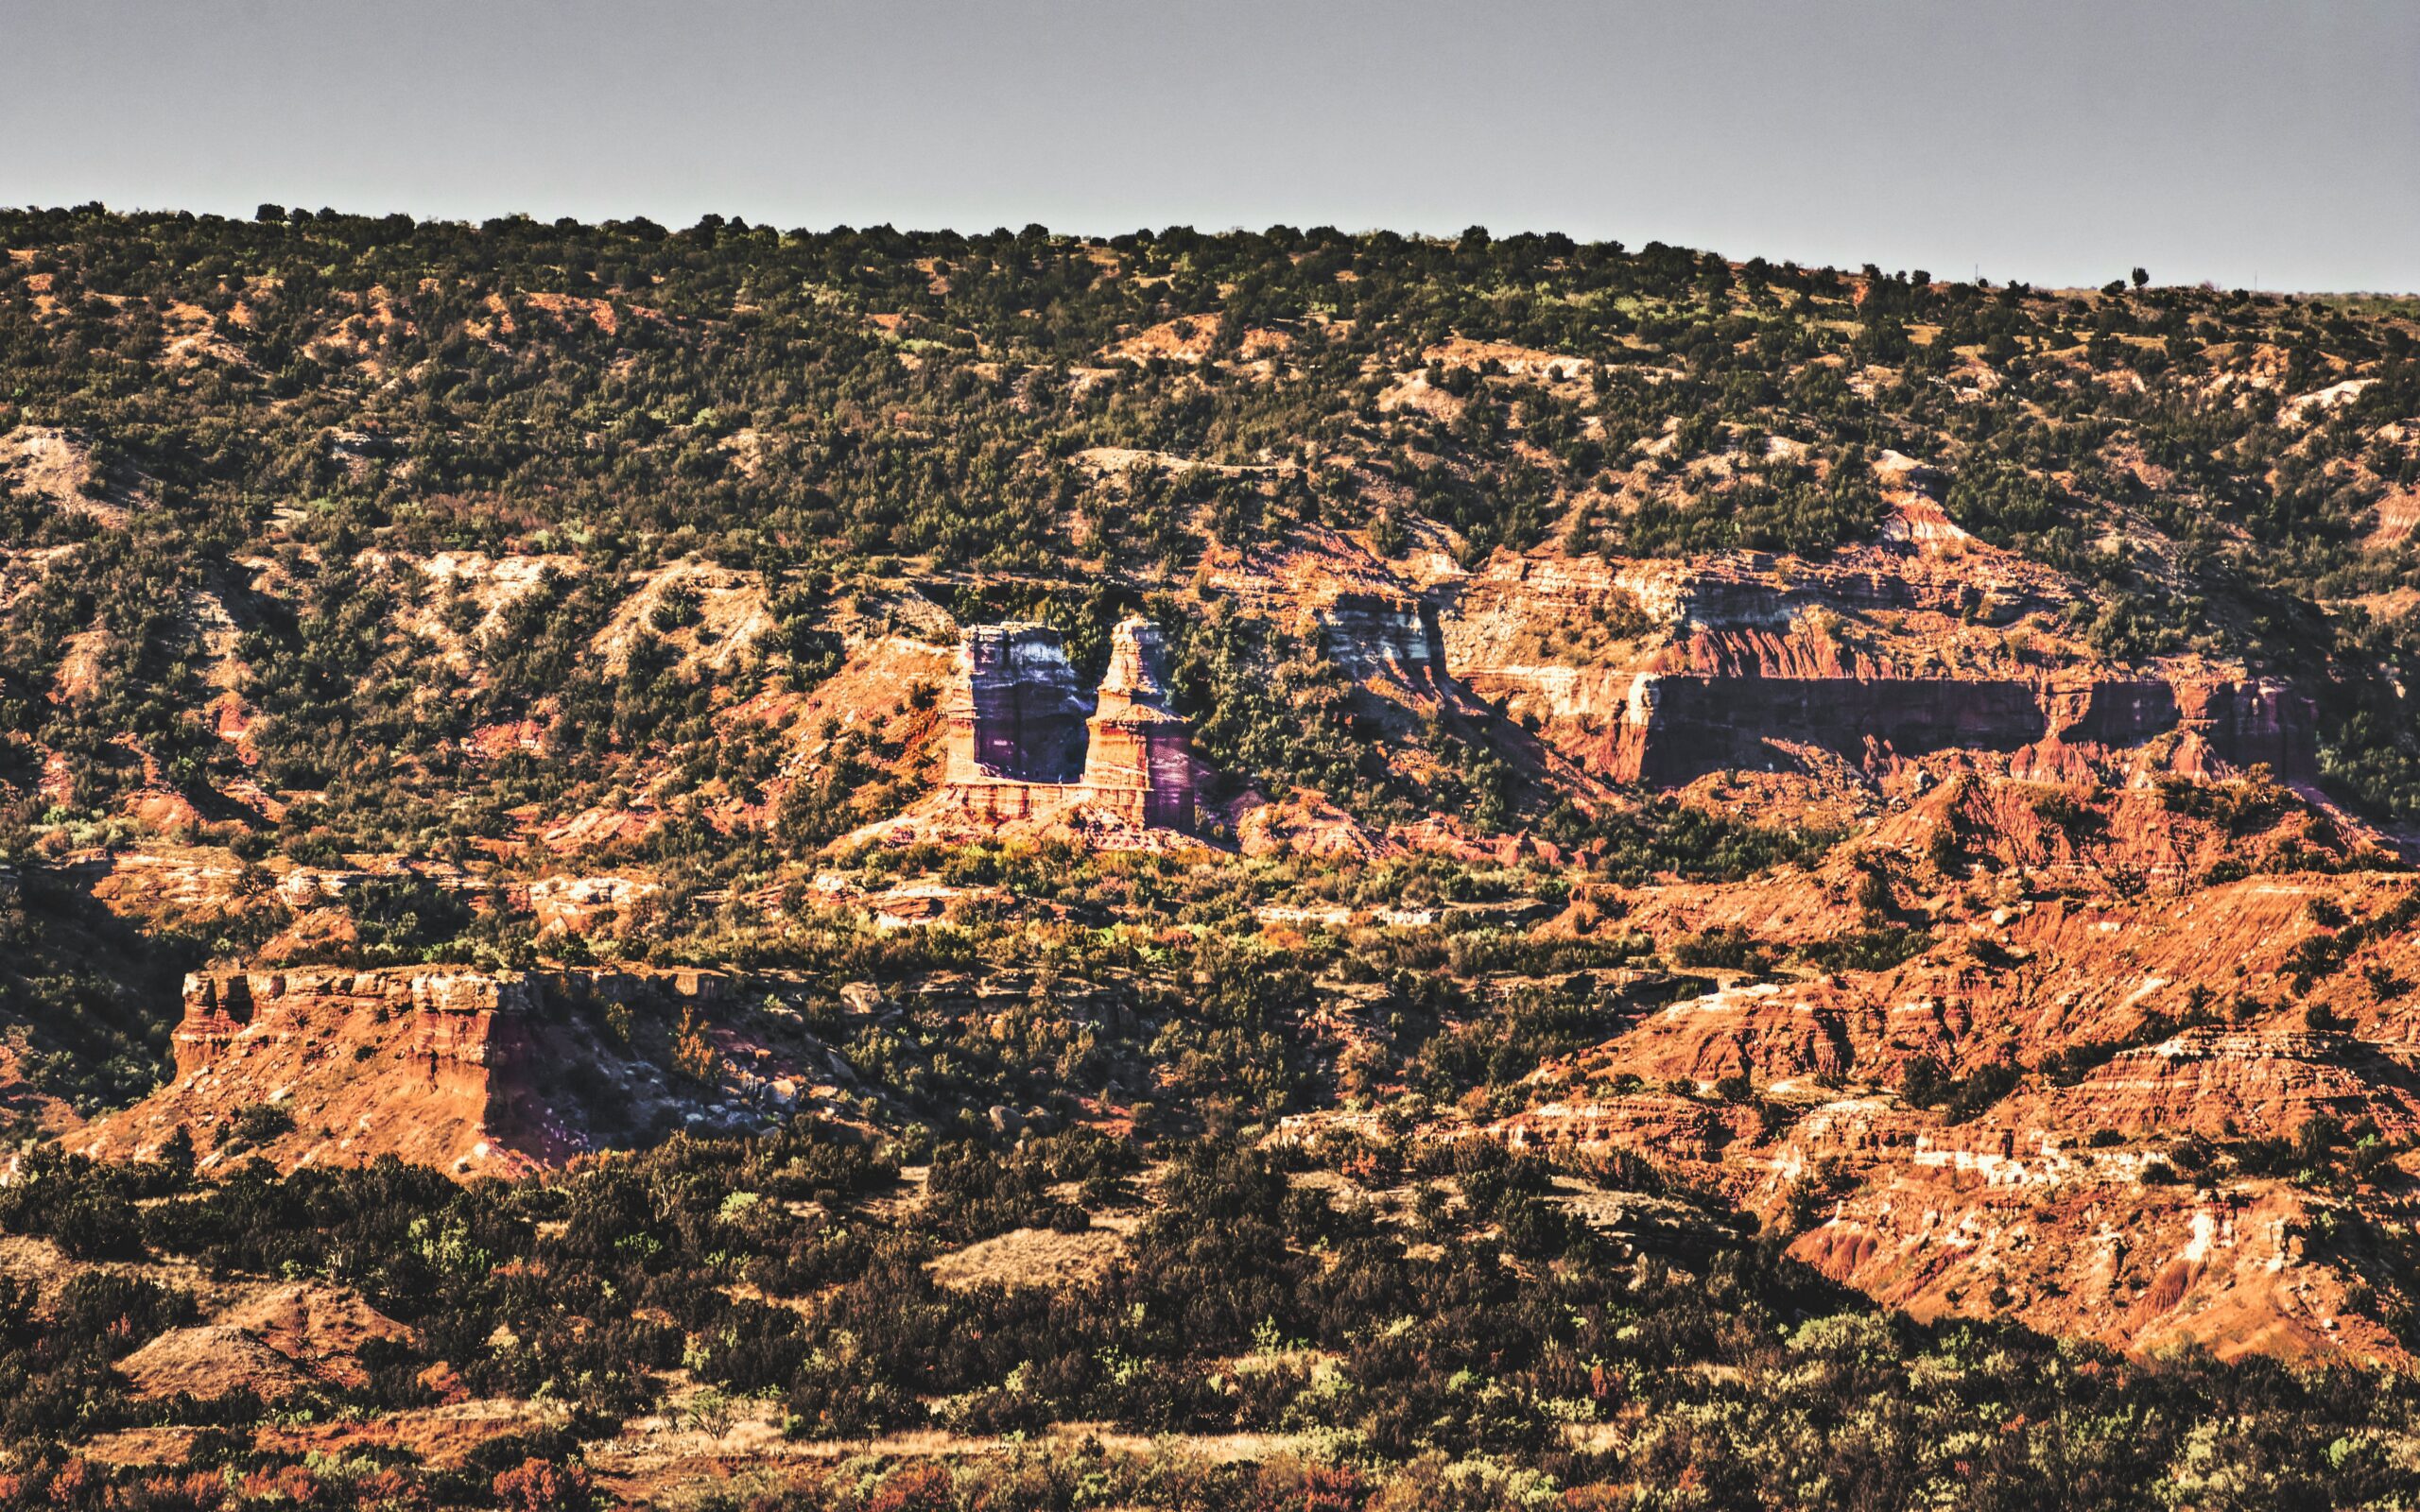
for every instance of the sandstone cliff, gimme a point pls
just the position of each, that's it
(1663, 671)
(474, 1072)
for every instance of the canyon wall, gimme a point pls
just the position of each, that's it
(1678, 727)
(1375, 636)
(2249, 722)
(443, 1014)
(454, 1013)
(1663, 671)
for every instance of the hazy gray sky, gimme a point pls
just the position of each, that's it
(2056, 142)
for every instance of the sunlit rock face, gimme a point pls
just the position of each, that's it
(1021, 745)
(456, 1067)
(1016, 712)
(1138, 755)
(1374, 637)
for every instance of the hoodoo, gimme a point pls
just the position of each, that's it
(1138, 755)
(1016, 712)
(1017, 733)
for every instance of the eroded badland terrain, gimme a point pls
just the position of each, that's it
(858, 869)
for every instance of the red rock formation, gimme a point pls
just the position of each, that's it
(2110, 712)
(452, 1066)
(1662, 1124)
(1676, 727)
(1010, 755)
(1014, 710)
(450, 1015)
(2074, 1243)
(1381, 637)
(2254, 723)
(2221, 1083)
(1881, 654)
(1138, 753)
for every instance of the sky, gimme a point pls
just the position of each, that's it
(2272, 144)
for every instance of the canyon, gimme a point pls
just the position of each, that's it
(2055, 830)
(702, 856)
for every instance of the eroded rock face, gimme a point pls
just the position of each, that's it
(2115, 1191)
(1135, 744)
(444, 1015)
(1376, 636)
(1015, 712)
(1137, 671)
(2216, 1083)
(452, 1066)
(2252, 722)
(1665, 672)
(1679, 727)
(1020, 745)
(1676, 727)
(2021, 1212)
(2071, 1242)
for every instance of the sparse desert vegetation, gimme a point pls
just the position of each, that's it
(1794, 888)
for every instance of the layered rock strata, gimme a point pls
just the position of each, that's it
(1665, 672)
(447, 1016)
(1138, 756)
(1378, 637)
(454, 1067)
(1019, 744)
(1676, 727)
(450, 1015)
(1016, 712)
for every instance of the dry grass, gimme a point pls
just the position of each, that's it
(1031, 1257)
